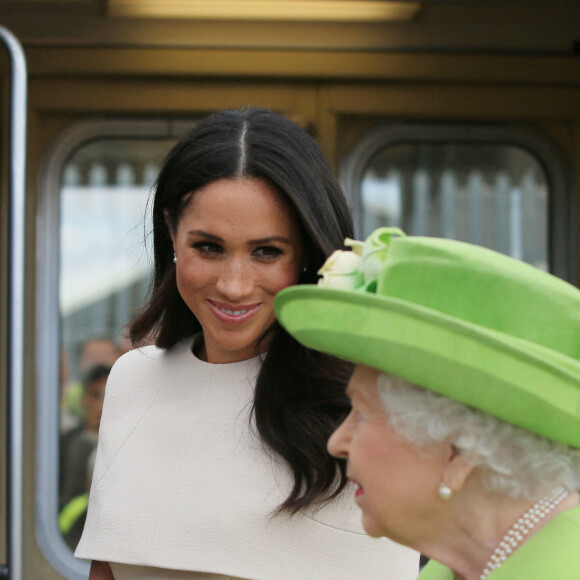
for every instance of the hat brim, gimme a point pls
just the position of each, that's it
(518, 381)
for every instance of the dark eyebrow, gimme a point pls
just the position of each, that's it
(269, 240)
(258, 242)
(203, 234)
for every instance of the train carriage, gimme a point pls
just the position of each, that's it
(455, 118)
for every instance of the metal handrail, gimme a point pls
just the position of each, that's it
(16, 224)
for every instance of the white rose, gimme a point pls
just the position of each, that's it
(341, 270)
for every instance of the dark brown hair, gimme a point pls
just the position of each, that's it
(299, 397)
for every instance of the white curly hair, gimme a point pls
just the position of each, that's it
(509, 459)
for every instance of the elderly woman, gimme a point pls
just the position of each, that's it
(464, 435)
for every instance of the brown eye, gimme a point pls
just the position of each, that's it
(208, 248)
(268, 252)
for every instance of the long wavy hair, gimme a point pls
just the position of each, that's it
(299, 396)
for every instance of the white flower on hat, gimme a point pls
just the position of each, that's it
(349, 270)
(341, 270)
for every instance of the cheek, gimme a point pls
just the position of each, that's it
(374, 459)
(183, 285)
(191, 277)
(286, 275)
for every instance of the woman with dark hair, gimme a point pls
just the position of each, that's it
(212, 459)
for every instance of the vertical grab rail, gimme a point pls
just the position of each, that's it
(16, 223)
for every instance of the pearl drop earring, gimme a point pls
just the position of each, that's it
(174, 258)
(445, 491)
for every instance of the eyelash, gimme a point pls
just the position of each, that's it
(207, 248)
(262, 252)
(268, 252)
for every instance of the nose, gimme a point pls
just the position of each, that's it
(339, 442)
(235, 281)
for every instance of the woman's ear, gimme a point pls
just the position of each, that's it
(458, 468)
(169, 225)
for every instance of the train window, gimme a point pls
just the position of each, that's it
(94, 205)
(494, 186)
(487, 195)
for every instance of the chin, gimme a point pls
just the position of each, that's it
(371, 528)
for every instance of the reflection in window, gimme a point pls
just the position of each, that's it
(491, 195)
(104, 274)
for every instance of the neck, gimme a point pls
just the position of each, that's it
(477, 524)
(198, 348)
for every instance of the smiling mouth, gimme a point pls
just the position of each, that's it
(233, 312)
(233, 315)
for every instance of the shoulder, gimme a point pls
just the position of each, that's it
(139, 357)
(134, 383)
(572, 517)
(137, 376)
(146, 360)
(134, 367)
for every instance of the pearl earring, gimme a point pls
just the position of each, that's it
(445, 491)
(174, 258)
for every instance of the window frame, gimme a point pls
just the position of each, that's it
(562, 228)
(48, 327)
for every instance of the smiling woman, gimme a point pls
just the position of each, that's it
(212, 454)
(235, 249)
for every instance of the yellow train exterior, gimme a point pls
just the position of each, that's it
(376, 83)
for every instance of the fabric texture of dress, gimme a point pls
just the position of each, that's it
(182, 482)
(550, 554)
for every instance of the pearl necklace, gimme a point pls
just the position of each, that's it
(522, 527)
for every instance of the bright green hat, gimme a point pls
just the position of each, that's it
(464, 321)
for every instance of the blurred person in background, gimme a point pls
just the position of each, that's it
(77, 444)
(94, 351)
(72, 516)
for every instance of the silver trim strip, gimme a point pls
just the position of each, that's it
(17, 208)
